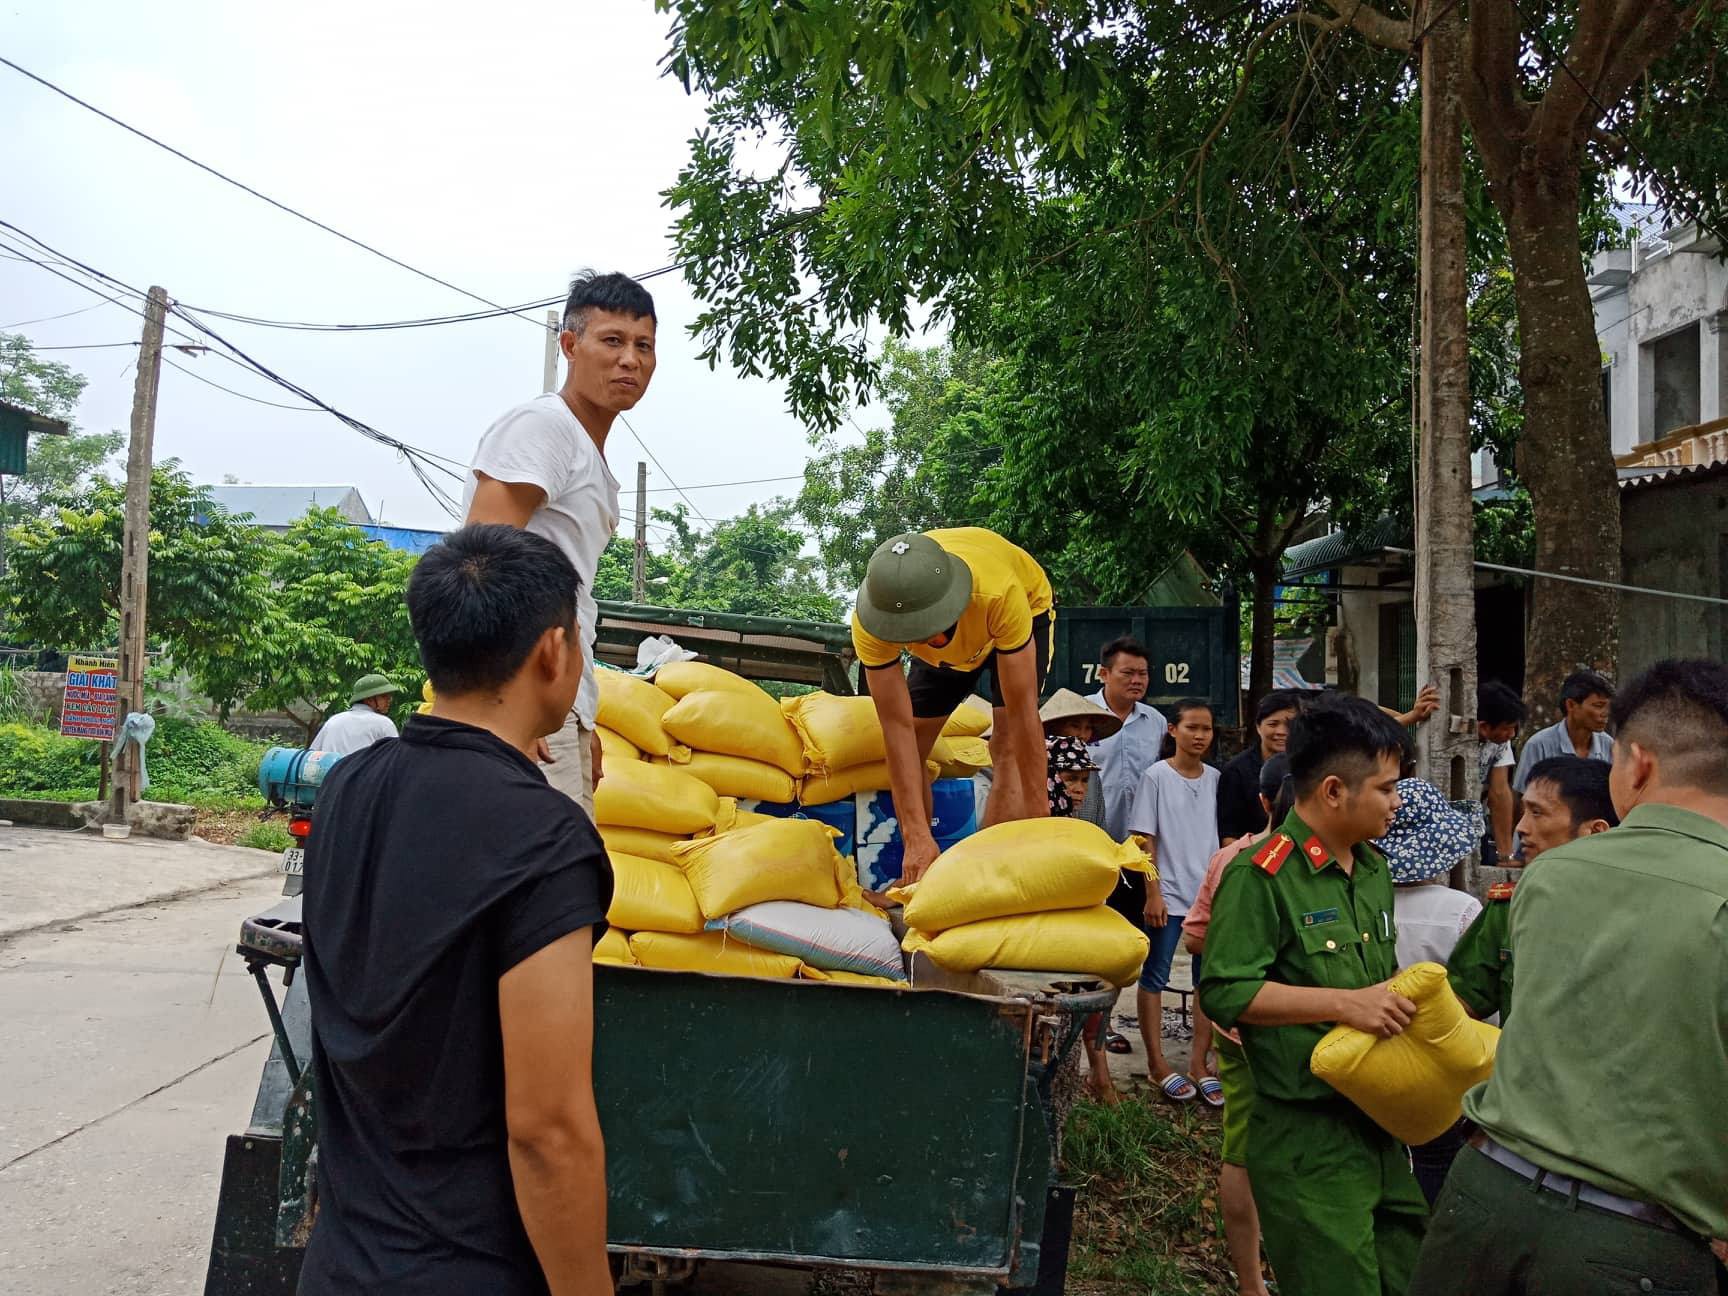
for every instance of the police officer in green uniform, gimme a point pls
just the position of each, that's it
(1600, 1163)
(1565, 799)
(1302, 938)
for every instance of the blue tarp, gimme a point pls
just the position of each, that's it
(408, 538)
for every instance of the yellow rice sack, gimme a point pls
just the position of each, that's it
(970, 719)
(680, 678)
(1097, 941)
(733, 723)
(640, 795)
(633, 707)
(1025, 867)
(1413, 1084)
(732, 819)
(789, 859)
(614, 947)
(741, 778)
(837, 733)
(614, 746)
(850, 978)
(648, 895)
(961, 757)
(820, 789)
(640, 841)
(709, 952)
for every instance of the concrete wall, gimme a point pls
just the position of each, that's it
(1674, 537)
(1679, 291)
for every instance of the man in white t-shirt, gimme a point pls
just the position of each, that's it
(542, 466)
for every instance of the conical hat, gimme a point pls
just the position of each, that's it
(1065, 704)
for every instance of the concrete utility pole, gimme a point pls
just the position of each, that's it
(1445, 577)
(639, 574)
(549, 370)
(135, 551)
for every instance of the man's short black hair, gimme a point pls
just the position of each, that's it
(1579, 782)
(480, 600)
(1123, 645)
(1345, 736)
(1581, 686)
(1496, 704)
(1274, 702)
(618, 294)
(1678, 710)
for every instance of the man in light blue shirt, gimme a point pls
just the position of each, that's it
(1582, 731)
(1125, 756)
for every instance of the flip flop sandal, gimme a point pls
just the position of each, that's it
(1177, 1087)
(1115, 1043)
(1212, 1091)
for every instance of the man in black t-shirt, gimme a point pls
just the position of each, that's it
(452, 901)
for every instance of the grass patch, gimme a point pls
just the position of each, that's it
(272, 837)
(1147, 1219)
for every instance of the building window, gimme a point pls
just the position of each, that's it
(1676, 379)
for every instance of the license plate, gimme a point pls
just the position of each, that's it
(294, 861)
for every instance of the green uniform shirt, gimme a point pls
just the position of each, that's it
(1286, 912)
(1618, 1068)
(1480, 968)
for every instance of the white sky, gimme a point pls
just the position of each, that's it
(499, 146)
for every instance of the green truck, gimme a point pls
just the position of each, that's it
(888, 1140)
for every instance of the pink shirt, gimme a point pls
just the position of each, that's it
(1200, 913)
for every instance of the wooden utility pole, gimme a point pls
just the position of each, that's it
(135, 550)
(639, 573)
(1445, 554)
(549, 370)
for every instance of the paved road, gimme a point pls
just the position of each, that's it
(132, 1047)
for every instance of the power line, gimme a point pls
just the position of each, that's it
(263, 197)
(48, 319)
(751, 481)
(655, 460)
(256, 400)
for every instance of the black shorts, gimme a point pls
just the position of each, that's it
(937, 690)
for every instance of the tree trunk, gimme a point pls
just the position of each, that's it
(1564, 456)
(1264, 568)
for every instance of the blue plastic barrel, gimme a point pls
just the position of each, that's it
(291, 776)
(842, 816)
(878, 847)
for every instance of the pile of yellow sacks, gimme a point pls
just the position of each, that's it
(844, 753)
(685, 859)
(1027, 895)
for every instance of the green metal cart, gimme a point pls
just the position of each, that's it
(904, 1138)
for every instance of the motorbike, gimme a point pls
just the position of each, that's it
(289, 779)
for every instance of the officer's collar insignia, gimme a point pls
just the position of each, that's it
(1270, 857)
(1317, 855)
(1501, 890)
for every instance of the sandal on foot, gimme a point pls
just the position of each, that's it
(1115, 1043)
(1177, 1087)
(1211, 1091)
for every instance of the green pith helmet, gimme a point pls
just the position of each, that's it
(913, 590)
(370, 686)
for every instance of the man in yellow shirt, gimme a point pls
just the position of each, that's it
(962, 602)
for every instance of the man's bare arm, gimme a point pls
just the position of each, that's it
(893, 701)
(1500, 808)
(557, 1154)
(1375, 1009)
(1017, 676)
(509, 503)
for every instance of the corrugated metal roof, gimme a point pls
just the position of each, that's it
(281, 506)
(1632, 479)
(1342, 549)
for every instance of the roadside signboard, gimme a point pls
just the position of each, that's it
(92, 693)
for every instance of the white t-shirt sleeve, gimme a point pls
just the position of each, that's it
(1143, 817)
(528, 445)
(1467, 914)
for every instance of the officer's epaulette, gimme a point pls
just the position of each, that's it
(1270, 857)
(1501, 891)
